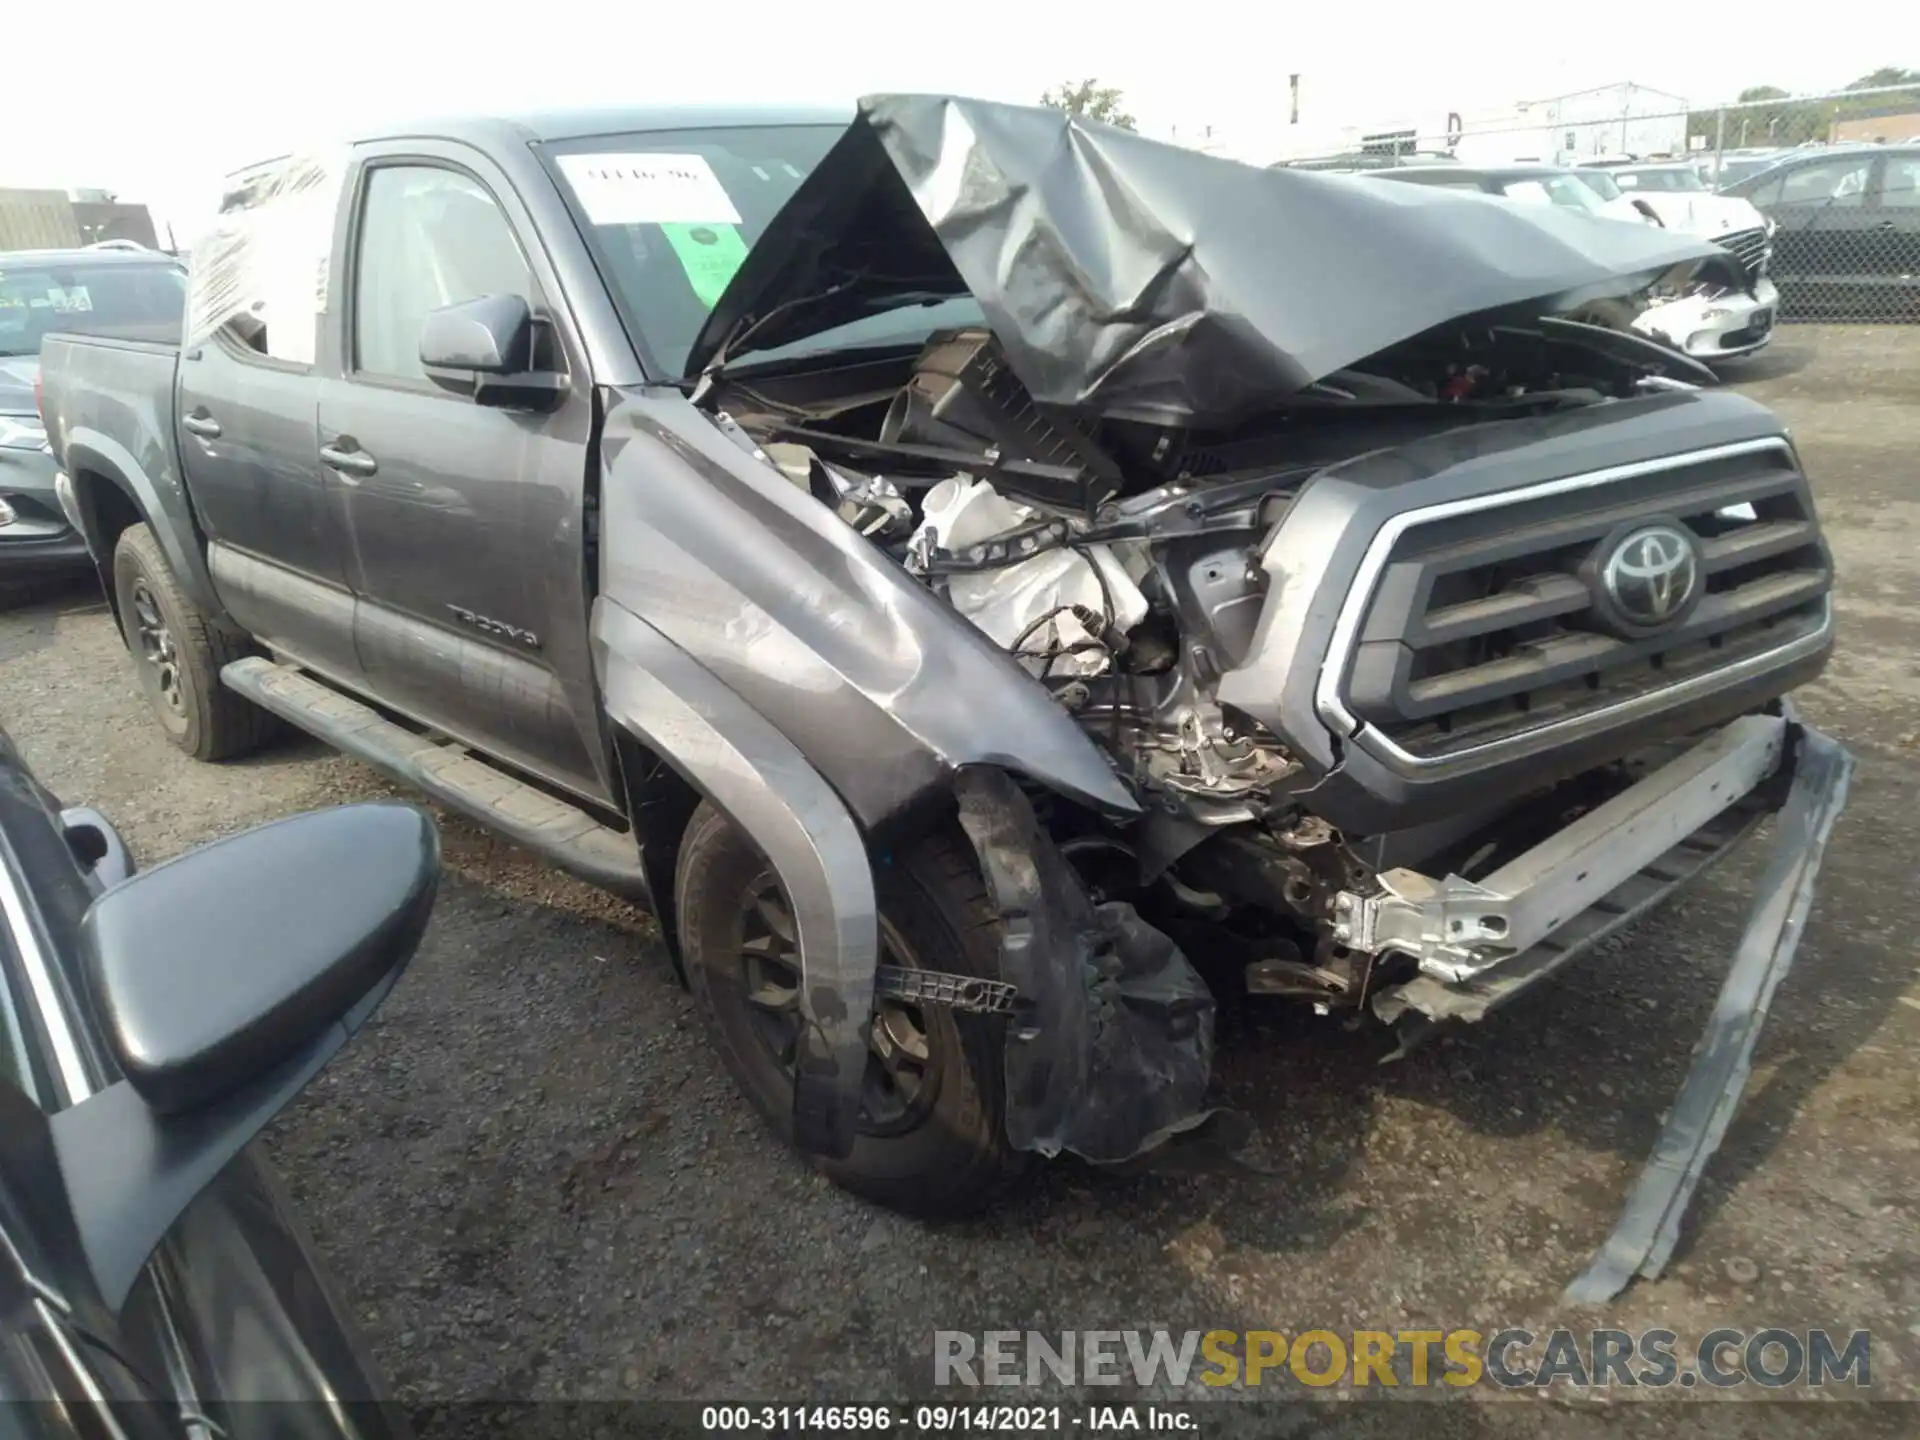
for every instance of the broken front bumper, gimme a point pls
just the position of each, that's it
(1479, 944)
(1716, 327)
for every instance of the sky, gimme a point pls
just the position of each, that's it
(160, 101)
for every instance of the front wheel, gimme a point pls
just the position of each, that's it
(178, 654)
(932, 1133)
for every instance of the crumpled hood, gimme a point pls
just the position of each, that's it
(17, 374)
(1699, 213)
(1130, 278)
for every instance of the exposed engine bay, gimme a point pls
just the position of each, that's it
(1117, 562)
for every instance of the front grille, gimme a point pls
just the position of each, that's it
(1751, 248)
(1485, 625)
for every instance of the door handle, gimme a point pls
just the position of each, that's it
(200, 423)
(349, 459)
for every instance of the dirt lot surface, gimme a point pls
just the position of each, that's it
(534, 1179)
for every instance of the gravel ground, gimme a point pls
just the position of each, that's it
(535, 1181)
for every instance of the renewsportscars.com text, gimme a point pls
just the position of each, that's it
(1512, 1359)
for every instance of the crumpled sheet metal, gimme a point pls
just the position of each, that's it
(1649, 1228)
(1110, 1056)
(1134, 278)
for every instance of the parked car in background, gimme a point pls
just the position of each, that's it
(1713, 317)
(159, 1285)
(1734, 166)
(1847, 245)
(1365, 160)
(1529, 184)
(105, 289)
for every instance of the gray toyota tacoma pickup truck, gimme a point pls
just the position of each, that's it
(996, 586)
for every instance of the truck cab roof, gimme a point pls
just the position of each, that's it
(546, 126)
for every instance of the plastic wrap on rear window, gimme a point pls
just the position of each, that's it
(264, 263)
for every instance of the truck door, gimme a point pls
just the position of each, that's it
(1821, 208)
(468, 558)
(245, 420)
(1894, 237)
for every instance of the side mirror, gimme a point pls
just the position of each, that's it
(224, 981)
(490, 336)
(484, 349)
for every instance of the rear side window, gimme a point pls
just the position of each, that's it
(1900, 188)
(429, 237)
(1841, 183)
(128, 301)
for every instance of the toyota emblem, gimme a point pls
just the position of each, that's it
(1650, 576)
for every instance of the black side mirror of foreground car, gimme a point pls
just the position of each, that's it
(224, 980)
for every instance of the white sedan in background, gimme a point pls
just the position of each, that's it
(1708, 324)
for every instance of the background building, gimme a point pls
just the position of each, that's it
(37, 220)
(64, 219)
(1622, 118)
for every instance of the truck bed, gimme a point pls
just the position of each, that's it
(108, 403)
(119, 388)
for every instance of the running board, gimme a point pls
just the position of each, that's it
(568, 837)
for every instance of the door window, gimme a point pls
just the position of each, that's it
(1900, 190)
(1833, 183)
(429, 237)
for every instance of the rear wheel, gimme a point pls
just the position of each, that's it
(178, 655)
(932, 1133)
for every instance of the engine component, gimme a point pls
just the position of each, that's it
(963, 394)
(871, 504)
(1061, 612)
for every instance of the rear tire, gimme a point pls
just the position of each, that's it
(179, 653)
(932, 1140)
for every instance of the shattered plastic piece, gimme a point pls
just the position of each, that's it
(1110, 1053)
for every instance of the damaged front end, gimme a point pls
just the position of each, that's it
(1230, 589)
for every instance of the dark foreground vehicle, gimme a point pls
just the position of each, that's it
(157, 1287)
(996, 586)
(138, 294)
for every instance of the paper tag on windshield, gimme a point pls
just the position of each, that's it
(710, 254)
(642, 189)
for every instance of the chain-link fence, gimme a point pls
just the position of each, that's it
(1819, 194)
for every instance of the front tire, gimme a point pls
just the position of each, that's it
(178, 654)
(932, 1138)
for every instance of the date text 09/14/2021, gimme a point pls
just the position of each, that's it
(943, 1419)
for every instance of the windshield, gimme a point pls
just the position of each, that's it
(1734, 170)
(1679, 177)
(1553, 189)
(1600, 182)
(133, 302)
(671, 214)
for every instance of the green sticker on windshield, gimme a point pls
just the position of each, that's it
(710, 254)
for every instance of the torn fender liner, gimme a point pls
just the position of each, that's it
(1645, 1236)
(1136, 279)
(1110, 1052)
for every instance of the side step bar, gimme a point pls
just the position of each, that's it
(568, 837)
